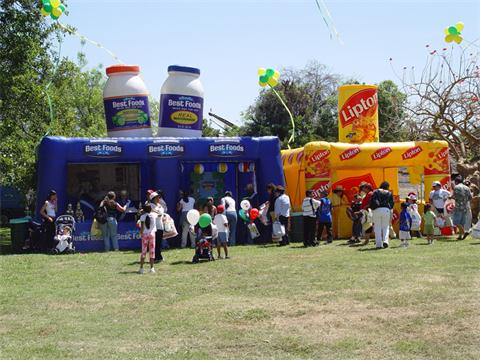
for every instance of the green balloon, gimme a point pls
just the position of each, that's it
(452, 30)
(264, 78)
(53, 17)
(62, 7)
(47, 6)
(205, 220)
(270, 72)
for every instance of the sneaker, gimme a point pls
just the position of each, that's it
(465, 235)
(141, 271)
(152, 270)
(385, 245)
(227, 257)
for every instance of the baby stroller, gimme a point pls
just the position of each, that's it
(64, 228)
(203, 245)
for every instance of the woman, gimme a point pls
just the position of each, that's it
(231, 213)
(157, 212)
(209, 208)
(162, 200)
(382, 204)
(186, 204)
(109, 229)
(48, 213)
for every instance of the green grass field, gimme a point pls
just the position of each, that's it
(329, 302)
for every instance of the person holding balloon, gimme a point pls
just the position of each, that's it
(186, 204)
(282, 212)
(221, 222)
(230, 211)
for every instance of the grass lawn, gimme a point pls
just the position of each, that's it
(329, 302)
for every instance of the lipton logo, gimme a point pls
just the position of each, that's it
(103, 150)
(412, 152)
(381, 153)
(350, 153)
(359, 104)
(165, 150)
(443, 153)
(319, 155)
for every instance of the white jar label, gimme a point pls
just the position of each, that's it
(127, 113)
(181, 112)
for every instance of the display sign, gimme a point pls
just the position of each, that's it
(226, 149)
(165, 150)
(103, 150)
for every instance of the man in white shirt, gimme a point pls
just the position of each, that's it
(438, 197)
(282, 212)
(309, 208)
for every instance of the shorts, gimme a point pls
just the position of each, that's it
(148, 241)
(428, 229)
(221, 239)
(459, 218)
(405, 235)
(369, 230)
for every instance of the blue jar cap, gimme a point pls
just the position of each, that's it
(185, 69)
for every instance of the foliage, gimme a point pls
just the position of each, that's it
(391, 112)
(444, 101)
(31, 64)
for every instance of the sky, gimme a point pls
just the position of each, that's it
(230, 39)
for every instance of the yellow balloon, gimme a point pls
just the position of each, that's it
(57, 11)
(272, 82)
(261, 71)
(446, 31)
(449, 38)
(44, 13)
(459, 25)
(276, 74)
(262, 84)
(55, 3)
(458, 39)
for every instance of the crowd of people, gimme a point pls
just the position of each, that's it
(370, 212)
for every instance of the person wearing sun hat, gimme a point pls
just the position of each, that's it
(338, 199)
(412, 210)
(462, 196)
(157, 213)
(438, 197)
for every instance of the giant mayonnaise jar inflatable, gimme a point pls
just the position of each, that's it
(358, 114)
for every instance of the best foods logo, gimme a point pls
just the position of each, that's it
(361, 104)
(411, 153)
(381, 153)
(350, 153)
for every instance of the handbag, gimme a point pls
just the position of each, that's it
(169, 229)
(254, 233)
(278, 230)
(101, 215)
(95, 231)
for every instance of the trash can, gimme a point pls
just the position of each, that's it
(297, 227)
(19, 232)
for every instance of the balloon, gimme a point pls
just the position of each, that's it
(243, 215)
(453, 33)
(254, 214)
(62, 7)
(205, 220)
(47, 6)
(268, 77)
(44, 12)
(245, 205)
(198, 169)
(222, 168)
(53, 16)
(57, 12)
(55, 3)
(193, 216)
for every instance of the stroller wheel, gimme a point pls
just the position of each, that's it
(54, 251)
(195, 259)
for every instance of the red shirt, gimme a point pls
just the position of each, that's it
(366, 200)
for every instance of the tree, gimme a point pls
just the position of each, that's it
(443, 103)
(32, 68)
(391, 112)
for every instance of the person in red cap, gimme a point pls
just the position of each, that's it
(221, 222)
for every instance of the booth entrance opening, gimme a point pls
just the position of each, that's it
(89, 183)
(212, 179)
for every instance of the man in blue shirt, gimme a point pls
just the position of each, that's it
(324, 217)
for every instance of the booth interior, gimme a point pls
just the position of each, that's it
(83, 170)
(326, 166)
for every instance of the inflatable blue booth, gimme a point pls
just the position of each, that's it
(83, 170)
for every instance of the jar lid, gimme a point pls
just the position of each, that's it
(185, 69)
(122, 68)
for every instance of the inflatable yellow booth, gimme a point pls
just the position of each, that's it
(327, 166)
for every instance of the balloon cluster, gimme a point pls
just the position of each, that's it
(194, 218)
(54, 8)
(246, 212)
(453, 33)
(268, 77)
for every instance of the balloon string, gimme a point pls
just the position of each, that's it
(292, 137)
(49, 99)
(327, 19)
(93, 42)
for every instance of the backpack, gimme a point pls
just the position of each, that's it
(323, 211)
(101, 215)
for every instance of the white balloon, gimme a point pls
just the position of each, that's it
(193, 216)
(245, 205)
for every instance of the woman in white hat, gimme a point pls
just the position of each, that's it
(414, 214)
(157, 212)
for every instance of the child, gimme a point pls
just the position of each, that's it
(221, 222)
(355, 214)
(64, 239)
(324, 217)
(415, 215)
(147, 231)
(429, 223)
(405, 225)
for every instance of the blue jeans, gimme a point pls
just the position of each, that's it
(232, 227)
(109, 232)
